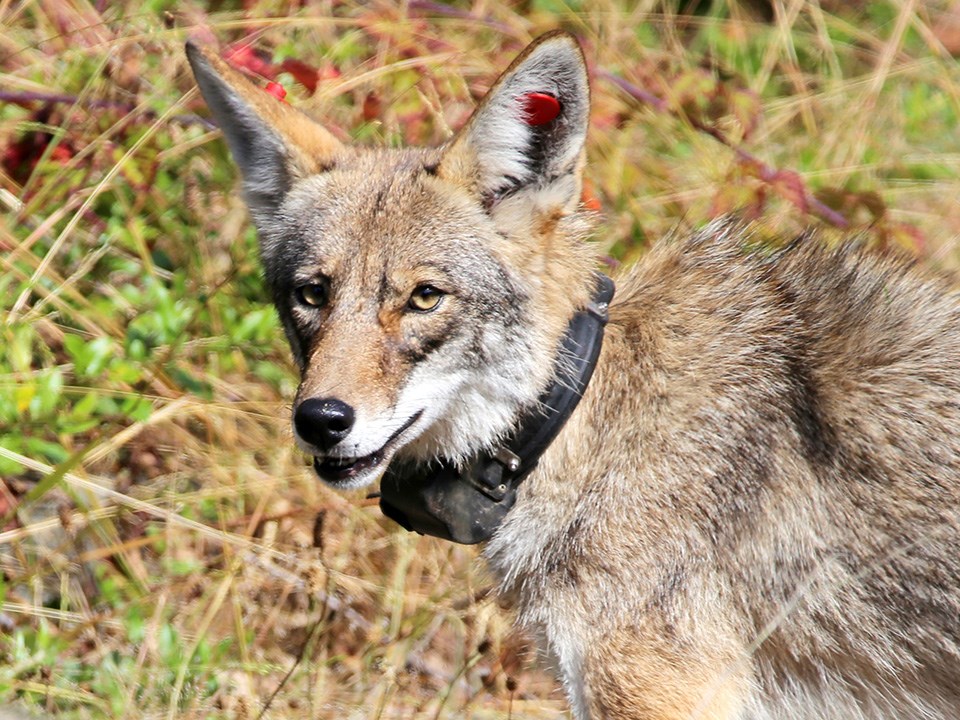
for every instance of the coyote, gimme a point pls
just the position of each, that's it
(730, 491)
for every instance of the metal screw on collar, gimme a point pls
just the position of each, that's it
(508, 459)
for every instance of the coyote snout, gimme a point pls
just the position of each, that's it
(741, 501)
(325, 428)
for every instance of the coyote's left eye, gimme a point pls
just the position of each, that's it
(425, 298)
(314, 294)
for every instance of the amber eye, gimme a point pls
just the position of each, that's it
(425, 298)
(314, 294)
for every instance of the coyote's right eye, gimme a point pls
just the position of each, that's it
(314, 294)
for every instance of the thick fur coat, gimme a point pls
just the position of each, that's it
(754, 512)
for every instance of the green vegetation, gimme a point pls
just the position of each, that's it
(165, 551)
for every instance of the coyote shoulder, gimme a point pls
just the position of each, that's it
(738, 499)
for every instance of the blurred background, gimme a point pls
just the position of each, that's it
(165, 552)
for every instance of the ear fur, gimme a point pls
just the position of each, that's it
(273, 143)
(500, 152)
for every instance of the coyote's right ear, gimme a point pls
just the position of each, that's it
(529, 131)
(273, 143)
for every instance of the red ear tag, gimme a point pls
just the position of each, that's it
(540, 108)
(277, 90)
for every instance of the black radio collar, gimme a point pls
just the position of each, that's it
(467, 506)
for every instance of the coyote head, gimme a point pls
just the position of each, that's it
(423, 291)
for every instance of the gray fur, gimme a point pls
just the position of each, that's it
(754, 512)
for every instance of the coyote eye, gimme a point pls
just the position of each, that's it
(425, 298)
(314, 294)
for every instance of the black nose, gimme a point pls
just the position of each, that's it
(323, 422)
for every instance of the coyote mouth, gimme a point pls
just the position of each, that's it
(339, 470)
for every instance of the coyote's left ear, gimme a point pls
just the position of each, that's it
(528, 133)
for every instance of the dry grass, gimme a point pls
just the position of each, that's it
(165, 551)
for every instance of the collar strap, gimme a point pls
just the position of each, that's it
(467, 505)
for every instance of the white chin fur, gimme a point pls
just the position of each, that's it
(467, 412)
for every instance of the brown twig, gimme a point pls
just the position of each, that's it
(763, 171)
(96, 103)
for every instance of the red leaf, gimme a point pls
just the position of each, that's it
(372, 107)
(588, 198)
(61, 154)
(21, 157)
(305, 74)
(246, 58)
(277, 90)
(328, 72)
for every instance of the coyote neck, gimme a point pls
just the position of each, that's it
(547, 507)
(467, 503)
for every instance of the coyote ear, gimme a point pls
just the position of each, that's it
(273, 143)
(530, 129)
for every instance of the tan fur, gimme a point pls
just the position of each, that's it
(707, 538)
(753, 513)
(311, 147)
